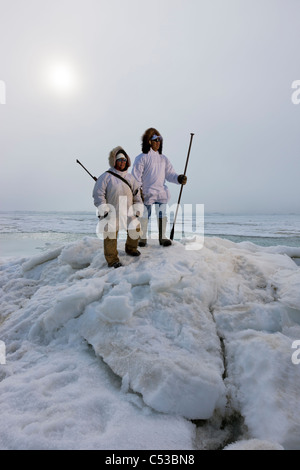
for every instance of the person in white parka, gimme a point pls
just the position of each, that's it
(117, 197)
(152, 169)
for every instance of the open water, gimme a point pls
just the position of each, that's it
(27, 233)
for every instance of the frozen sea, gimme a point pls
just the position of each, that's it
(187, 348)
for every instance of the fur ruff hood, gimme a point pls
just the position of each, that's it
(113, 154)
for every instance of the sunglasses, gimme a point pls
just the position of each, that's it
(158, 139)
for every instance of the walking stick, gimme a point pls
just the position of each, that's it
(94, 177)
(186, 164)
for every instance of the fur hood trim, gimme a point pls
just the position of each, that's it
(113, 154)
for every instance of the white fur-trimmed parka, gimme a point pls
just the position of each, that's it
(152, 170)
(114, 196)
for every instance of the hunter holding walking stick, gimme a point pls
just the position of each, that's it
(152, 169)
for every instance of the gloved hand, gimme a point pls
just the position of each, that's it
(182, 179)
(103, 216)
(103, 211)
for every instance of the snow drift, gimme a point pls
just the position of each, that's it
(191, 334)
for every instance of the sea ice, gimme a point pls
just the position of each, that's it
(120, 359)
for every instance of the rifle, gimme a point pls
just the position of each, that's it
(94, 177)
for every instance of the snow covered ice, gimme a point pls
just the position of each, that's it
(178, 349)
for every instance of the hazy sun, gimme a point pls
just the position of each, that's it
(62, 78)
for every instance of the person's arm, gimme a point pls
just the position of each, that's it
(170, 173)
(138, 170)
(99, 195)
(137, 199)
(138, 205)
(172, 176)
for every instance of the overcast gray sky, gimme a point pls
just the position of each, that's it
(83, 76)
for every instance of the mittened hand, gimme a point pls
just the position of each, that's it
(182, 179)
(103, 216)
